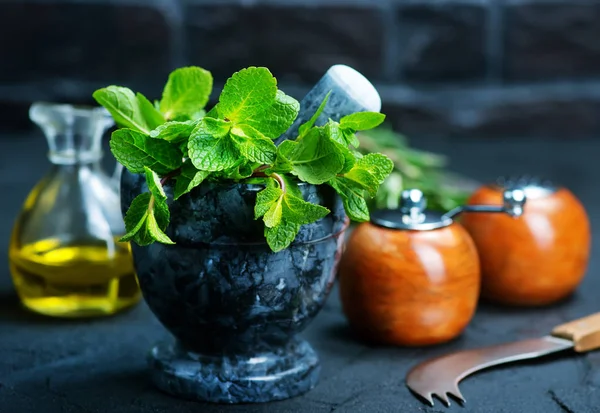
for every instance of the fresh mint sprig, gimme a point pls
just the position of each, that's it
(176, 139)
(186, 93)
(148, 216)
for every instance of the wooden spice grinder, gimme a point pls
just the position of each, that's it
(537, 259)
(411, 276)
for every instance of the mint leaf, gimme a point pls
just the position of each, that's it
(245, 171)
(349, 159)
(253, 145)
(281, 164)
(291, 185)
(174, 132)
(352, 198)
(124, 107)
(239, 171)
(153, 229)
(134, 151)
(273, 215)
(135, 217)
(301, 212)
(332, 130)
(362, 120)
(277, 118)
(379, 165)
(361, 178)
(356, 207)
(282, 235)
(247, 93)
(314, 158)
(146, 219)
(210, 146)
(284, 212)
(290, 207)
(358, 121)
(160, 210)
(154, 185)
(188, 179)
(343, 136)
(152, 116)
(265, 199)
(186, 92)
(257, 111)
(367, 174)
(305, 127)
(350, 137)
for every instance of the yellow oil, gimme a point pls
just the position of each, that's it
(61, 280)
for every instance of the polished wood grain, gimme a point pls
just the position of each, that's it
(409, 288)
(536, 259)
(585, 332)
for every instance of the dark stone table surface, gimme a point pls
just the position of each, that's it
(49, 366)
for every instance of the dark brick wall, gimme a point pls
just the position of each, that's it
(475, 68)
(552, 40)
(84, 42)
(444, 42)
(296, 42)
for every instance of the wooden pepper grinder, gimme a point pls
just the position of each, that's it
(411, 276)
(537, 259)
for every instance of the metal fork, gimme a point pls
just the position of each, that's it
(442, 395)
(440, 376)
(440, 389)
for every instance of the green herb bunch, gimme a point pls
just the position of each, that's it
(175, 139)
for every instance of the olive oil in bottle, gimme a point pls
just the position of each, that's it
(65, 257)
(73, 280)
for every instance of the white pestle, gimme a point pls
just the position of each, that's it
(350, 92)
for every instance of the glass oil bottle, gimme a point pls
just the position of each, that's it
(65, 257)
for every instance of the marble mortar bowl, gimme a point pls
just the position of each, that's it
(233, 307)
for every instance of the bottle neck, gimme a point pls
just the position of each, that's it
(74, 134)
(76, 169)
(79, 142)
(73, 156)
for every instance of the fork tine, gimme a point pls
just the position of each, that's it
(425, 396)
(428, 397)
(456, 393)
(422, 393)
(443, 397)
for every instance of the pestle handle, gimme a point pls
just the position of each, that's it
(350, 92)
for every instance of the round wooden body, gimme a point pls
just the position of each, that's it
(536, 259)
(409, 288)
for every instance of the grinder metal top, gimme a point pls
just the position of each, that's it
(533, 187)
(414, 215)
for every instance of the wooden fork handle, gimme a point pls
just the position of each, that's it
(585, 332)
